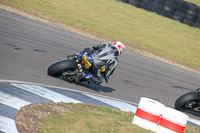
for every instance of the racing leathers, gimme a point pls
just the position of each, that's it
(105, 60)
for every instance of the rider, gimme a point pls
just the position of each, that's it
(105, 61)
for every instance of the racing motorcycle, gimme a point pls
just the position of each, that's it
(189, 101)
(75, 68)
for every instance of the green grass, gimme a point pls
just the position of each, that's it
(112, 20)
(84, 118)
(91, 119)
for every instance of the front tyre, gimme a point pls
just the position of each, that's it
(188, 101)
(58, 68)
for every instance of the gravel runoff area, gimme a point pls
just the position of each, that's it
(29, 118)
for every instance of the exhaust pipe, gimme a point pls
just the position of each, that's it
(69, 74)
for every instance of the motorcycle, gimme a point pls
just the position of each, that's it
(189, 101)
(75, 68)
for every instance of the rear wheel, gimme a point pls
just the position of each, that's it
(58, 68)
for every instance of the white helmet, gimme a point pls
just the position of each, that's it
(120, 46)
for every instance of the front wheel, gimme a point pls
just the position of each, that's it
(58, 68)
(189, 101)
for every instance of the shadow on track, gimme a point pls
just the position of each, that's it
(98, 88)
(92, 86)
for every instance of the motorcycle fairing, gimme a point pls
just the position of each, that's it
(87, 60)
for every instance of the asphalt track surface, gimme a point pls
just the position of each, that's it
(28, 47)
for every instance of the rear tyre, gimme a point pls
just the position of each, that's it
(58, 68)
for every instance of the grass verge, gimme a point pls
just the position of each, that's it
(111, 21)
(78, 118)
(91, 119)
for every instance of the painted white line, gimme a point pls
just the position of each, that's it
(46, 93)
(7, 125)
(62, 88)
(120, 105)
(194, 121)
(12, 101)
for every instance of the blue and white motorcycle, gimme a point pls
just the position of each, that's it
(83, 66)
